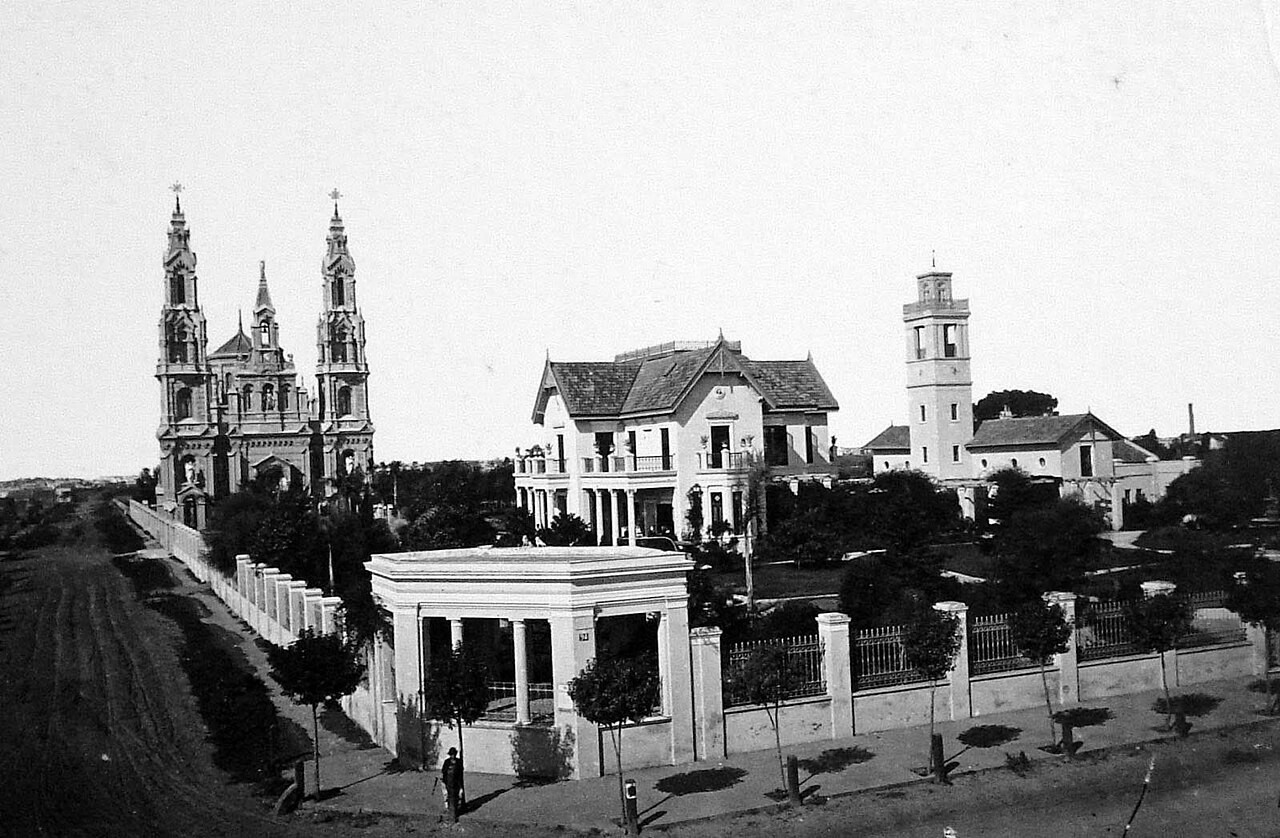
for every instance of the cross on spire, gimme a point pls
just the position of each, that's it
(933, 258)
(177, 198)
(335, 195)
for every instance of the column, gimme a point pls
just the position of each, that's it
(599, 528)
(958, 677)
(616, 522)
(410, 741)
(455, 631)
(708, 693)
(1117, 506)
(704, 498)
(522, 672)
(833, 632)
(572, 647)
(1068, 662)
(677, 680)
(632, 518)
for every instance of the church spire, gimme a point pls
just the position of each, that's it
(264, 295)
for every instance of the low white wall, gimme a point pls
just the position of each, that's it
(801, 720)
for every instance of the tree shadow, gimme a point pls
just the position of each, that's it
(1084, 716)
(541, 753)
(1190, 704)
(476, 803)
(417, 738)
(700, 781)
(833, 760)
(336, 722)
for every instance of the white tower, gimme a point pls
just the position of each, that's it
(939, 382)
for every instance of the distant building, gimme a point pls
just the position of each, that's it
(624, 443)
(1084, 455)
(238, 414)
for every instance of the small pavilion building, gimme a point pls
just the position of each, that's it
(539, 615)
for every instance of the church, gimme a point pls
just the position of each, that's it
(238, 415)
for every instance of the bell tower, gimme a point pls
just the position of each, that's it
(939, 381)
(342, 370)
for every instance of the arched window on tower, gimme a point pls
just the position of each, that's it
(264, 333)
(338, 345)
(177, 345)
(268, 397)
(339, 291)
(284, 396)
(182, 404)
(177, 289)
(246, 402)
(344, 401)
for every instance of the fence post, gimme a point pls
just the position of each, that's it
(1257, 637)
(708, 693)
(833, 634)
(958, 677)
(1068, 662)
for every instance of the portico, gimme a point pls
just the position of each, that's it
(524, 605)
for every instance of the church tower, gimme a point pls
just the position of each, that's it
(939, 381)
(342, 371)
(186, 407)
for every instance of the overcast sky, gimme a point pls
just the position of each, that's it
(584, 179)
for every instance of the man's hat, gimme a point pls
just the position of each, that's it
(453, 752)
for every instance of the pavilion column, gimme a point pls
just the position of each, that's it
(631, 517)
(538, 516)
(522, 672)
(600, 533)
(616, 523)
(675, 670)
(455, 631)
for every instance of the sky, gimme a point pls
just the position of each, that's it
(580, 179)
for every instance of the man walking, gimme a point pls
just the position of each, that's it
(451, 776)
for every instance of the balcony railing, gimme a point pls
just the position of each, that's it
(628, 464)
(541, 465)
(722, 460)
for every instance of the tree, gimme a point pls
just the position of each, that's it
(446, 527)
(1256, 598)
(1046, 547)
(693, 517)
(1041, 630)
(1156, 623)
(612, 692)
(930, 645)
(765, 679)
(566, 530)
(316, 669)
(456, 692)
(1019, 402)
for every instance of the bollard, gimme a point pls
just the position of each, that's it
(793, 780)
(1068, 740)
(937, 759)
(631, 808)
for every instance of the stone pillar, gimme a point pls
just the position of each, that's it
(410, 741)
(282, 607)
(270, 618)
(298, 606)
(958, 677)
(329, 614)
(243, 575)
(455, 631)
(522, 671)
(257, 615)
(615, 522)
(1117, 506)
(573, 640)
(599, 528)
(833, 632)
(311, 607)
(677, 682)
(1068, 662)
(631, 517)
(708, 694)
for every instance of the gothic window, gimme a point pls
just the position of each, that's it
(264, 333)
(247, 402)
(344, 401)
(182, 404)
(284, 396)
(339, 291)
(227, 388)
(177, 289)
(177, 345)
(268, 397)
(949, 341)
(338, 345)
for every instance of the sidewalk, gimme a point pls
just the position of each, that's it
(673, 794)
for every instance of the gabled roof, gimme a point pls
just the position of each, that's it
(1037, 430)
(892, 439)
(656, 385)
(1128, 451)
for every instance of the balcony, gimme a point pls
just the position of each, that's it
(723, 461)
(541, 465)
(628, 464)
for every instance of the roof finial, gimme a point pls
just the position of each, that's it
(335, 195)
(722, 333)
(177, 199)
(933, 258)
(240, 316)
(262, 270)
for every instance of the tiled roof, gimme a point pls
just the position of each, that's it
(238, 345)
(601, 388)
(892, 438)
(1127, 451)
(1034, 430)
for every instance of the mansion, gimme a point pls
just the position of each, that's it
(237, 414)
(629, 445)
(1085, 456)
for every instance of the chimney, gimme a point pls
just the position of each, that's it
(1191, 419)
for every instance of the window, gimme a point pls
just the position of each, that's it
(339, 291)
(268, 397)
(919, 330)
(666, 448)
(246, 401)
(604, 447)
(949, 340)
(177, 345)
(284, 396)
(1042, 462)
(925, 453)
(737, 511)
(338, 345)
(984, 463)
(775, 445)
(182, 404)
(717, 508)
(955, 453)
(1086, 461)
(344, 401)
(921, 413)
(264, 334)
(955, 412)
(808, 444)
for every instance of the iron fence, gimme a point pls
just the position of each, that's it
(1104, 627)
(805, 675)
(991, 646)
(502, 702)
(878, 659)
(1212, 623)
